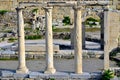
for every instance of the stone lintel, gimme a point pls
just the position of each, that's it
(95, 3)
(60, 4)
(32, 4)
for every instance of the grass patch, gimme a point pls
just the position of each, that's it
(35, 10)
(6, 59)
(11, 39)
(33, 37)
(92, 29)
(2, 12)
(61, 29)
(27, 29)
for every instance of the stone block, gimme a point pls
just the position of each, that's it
(35, 75)
(96, 75)
(18, 75)
(59, 75)
(115, 78)
(80, 76)
(7, 73)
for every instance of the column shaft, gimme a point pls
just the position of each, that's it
(49, 41)
(102, 31)
(78, 40)
(21, 43)
(83, 35)
(106, 39)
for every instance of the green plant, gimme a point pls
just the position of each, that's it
(3, 39)
(66, 20)
(114, 52)
(35, 10)
(51, 79)
(66, 38)
(33, 37)
(61, 29)
(91, 21)
(107, 75)
(92, 29)
(11, 39)
(2, 12)
(27, 29)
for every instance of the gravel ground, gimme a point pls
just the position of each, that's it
(89, 65)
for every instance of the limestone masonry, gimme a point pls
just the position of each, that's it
(12, 4)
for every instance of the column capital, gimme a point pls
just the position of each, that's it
(47, 8)
(77, 7)
(106, 8)
(19, 8)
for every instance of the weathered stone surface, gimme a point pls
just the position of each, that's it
(18, 75)
(7, 73)
(96, 75)
(36, 48)
(80, 76)
(58, 75)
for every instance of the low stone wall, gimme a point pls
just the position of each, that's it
(35, 48)
(5, 75)
(65, 54)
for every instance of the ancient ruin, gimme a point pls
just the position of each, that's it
(107, 44)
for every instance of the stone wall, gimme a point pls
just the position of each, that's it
(114, 29)
(12, 4)
(6, 5)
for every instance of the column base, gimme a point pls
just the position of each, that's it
(50, 71)
(22, 70)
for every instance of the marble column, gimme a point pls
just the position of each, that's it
(106, 39)
(83, 35)
(78, 39)
(21, 43)
(102, 31)
(49, 41)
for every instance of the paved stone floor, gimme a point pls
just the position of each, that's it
(89, 65)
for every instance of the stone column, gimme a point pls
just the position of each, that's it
(106, 39)
(102, 31)
(72, 38)
(49, 41)
(78, 39)
(83, 35)
(21, 43)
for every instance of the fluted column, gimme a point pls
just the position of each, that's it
(49, 41)
(78, 39)
(21, 43)
(106, 39)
